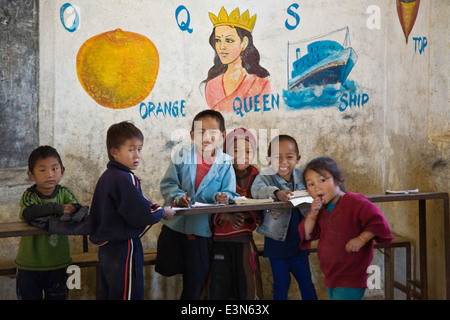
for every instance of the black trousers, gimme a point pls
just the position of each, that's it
(178, 253)
(41, 285)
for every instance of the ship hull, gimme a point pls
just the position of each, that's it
(332, 70)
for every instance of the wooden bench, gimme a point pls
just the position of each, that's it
(88, 259)
(82, 260)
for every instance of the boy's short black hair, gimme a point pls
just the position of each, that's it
(42, 152)
(283, 137)
(212, 114)
(118, 133)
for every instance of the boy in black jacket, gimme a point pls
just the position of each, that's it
(120, 214)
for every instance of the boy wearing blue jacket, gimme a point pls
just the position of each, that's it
(280, 227)
(120, 214)
(201, 173)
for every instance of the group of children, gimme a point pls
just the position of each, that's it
(215, 254)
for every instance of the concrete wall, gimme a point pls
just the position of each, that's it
(397, 139)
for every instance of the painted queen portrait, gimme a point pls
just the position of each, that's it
(236, 72)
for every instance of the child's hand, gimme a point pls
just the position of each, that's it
(283, 195)
(358, 242)
(168, 213)
(354, 245)
(184, 201)
(236, 219)
(222, 198)
(68, 208)
(316, 205)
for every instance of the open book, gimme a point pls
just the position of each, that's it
(245, 200)
(299, 194)
(299, 200)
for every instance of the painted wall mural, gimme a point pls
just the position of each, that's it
(236, 75)
(319, 72)
(407, 13)
(118, 69)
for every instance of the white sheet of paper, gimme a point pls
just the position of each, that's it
(198, 205)
(402, 191)
(180, 208)
(202, 204)
(295, 202)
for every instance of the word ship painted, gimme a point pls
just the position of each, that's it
(352, 100)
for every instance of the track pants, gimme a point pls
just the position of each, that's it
(121, 270)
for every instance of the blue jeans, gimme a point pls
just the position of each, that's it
(342, 293)
(281, 272)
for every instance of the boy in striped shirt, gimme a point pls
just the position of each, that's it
(42, 260)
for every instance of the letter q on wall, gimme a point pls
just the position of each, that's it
(70, 13)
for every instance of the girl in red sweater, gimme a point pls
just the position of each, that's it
(235, 271)
(347, 223)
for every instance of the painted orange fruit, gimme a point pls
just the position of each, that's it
(118, 69)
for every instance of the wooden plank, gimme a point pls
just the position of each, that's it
(407, 197)
(19, 229)
(238, 208)
(287, 204)
(87, 259)
(7, 268)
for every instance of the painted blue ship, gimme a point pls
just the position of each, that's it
(326, 62)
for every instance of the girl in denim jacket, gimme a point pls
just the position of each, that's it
(282, 240)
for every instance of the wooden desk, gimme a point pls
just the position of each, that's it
(17, 229)
(420, 197)
(238, 208)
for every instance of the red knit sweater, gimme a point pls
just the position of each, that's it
(224, 230)
(352, 215)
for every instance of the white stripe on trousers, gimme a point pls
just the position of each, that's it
(130, 269)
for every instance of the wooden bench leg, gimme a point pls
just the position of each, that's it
(389, 269)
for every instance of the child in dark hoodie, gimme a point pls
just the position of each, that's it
(120, 214)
